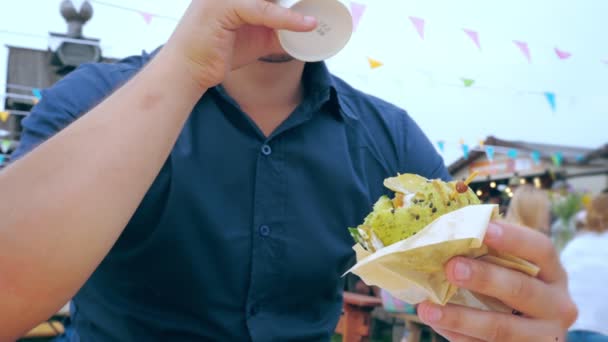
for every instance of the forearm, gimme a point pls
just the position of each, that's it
(67, 201)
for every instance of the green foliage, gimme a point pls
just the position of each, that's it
(566, 204)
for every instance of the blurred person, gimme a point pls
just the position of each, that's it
(203, 192)
(585, 259)
(530, 207)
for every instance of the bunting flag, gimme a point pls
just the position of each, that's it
(474, 35)
(525, 49)
(552, 101)
(490, 153)
(465, 151)
(1, 159)
(147, 17)
(482, 143)
(418, 25)
(357, 10)
(536, 157)
(36, 92)
(513, 153)
(468, 83)
(441, 145)
(374, 63)
(4, 116)
(558, 159)
(5, 146)
(561, 54)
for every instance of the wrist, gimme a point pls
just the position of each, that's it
(178, 72)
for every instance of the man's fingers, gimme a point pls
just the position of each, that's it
(517, 290)
(488, 326)
(527, 244)
(455, 337)
(268, 14)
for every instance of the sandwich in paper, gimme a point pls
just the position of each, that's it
(405, 242)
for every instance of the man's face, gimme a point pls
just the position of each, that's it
(276, 58)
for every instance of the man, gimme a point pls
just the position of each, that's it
(235, 198)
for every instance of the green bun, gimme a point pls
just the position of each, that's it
(417, 202)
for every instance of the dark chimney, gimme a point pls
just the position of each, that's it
(75, 49)
(76, 19)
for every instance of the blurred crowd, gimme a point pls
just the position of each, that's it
(584, 254)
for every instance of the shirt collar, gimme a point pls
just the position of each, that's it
(320, 86)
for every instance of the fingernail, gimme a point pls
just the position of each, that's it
(431, 314)
(462, 271)
(308, 20)
(494, 232)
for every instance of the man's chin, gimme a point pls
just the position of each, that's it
(276, 58)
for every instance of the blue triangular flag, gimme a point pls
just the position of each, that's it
(551, 99)
(536, 157)
(490, 153)
(465, 151)
(558, 159)
(441, 145)
(1, 159)
(512, 153)
(36, 92)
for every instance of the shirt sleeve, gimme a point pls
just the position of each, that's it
(418, 155)
(65, 102)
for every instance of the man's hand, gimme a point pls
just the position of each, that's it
(215, 37)
(547, 310)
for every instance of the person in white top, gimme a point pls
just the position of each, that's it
(530, 207)
(585, 259)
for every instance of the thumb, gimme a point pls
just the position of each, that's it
(268, 14)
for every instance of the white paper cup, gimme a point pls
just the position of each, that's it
(335, 27)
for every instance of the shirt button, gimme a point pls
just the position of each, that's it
(266, 150)
(264, 230)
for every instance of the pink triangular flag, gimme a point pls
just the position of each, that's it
(474, 35)
(147, 17)
(523, 47)
(561, 54)
(419, 25)
(357, 10)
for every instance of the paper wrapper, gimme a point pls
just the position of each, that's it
(413, 270)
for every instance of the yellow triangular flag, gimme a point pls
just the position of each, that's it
(4, 116)
(373, 63)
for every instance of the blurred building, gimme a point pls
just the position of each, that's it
(583, 169)
(31, 70)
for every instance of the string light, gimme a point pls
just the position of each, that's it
(493, 185)
(479, 193)
(522, 181)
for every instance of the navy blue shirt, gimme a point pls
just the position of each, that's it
(241, 236)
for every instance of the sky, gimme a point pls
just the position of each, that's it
(422, 76)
